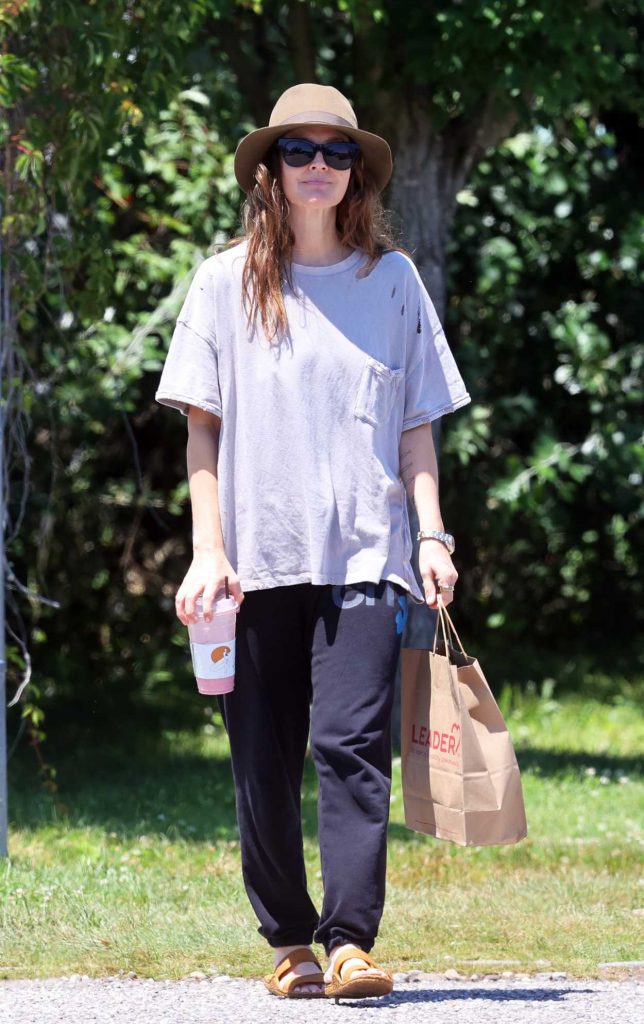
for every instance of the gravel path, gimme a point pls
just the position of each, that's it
(222, 1000)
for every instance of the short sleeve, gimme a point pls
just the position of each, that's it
(190, 372)
(433, 384)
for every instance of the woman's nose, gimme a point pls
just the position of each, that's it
(314, 161)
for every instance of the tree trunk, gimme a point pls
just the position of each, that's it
(422, 194)
(430, 167)
(420, 197)
(302, 52)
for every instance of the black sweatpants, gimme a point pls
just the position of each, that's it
(324, 657)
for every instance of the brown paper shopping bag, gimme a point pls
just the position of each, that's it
(460, 776)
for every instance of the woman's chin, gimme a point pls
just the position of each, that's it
(317, 200)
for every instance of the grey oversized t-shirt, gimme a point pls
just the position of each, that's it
(308, 469)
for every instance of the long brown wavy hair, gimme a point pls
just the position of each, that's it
(361, 221)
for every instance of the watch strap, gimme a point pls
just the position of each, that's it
(440, 535)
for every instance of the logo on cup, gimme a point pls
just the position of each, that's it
(219, 654)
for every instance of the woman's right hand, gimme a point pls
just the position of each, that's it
(205, 578)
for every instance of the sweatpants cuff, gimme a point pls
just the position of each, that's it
(363, 942)
(289, 938)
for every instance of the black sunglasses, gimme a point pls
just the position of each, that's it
(300, 152)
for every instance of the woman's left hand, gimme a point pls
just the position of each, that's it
(435, 564)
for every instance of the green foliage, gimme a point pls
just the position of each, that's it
(111, 538)
(118, 126)
(511, 54)
(91, 94)
(548, 463)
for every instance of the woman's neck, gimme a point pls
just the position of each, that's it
(317, 243)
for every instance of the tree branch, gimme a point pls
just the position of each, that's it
(467, 139)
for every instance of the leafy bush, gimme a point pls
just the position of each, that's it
(544, 470)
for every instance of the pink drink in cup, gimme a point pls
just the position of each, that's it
(212, 646)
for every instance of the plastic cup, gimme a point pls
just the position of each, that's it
(212, 646)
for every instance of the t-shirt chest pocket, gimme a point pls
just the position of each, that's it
(377, 391)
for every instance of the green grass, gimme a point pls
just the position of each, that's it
(137, 868)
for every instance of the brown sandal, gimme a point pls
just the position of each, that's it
(286, 964)
(357, 984)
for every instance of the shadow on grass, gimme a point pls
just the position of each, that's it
(557, 764)
(138, 791)
(131, 791)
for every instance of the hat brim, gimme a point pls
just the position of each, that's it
(250, 150)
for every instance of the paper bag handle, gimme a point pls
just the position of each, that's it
(471, 699)
(447, 626)
(453, 679)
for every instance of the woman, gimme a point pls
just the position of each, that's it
(310, 363)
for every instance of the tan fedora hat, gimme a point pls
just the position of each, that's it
(311, 105)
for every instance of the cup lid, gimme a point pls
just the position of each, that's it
(220, 604)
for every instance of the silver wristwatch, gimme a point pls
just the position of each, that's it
(444, 538)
